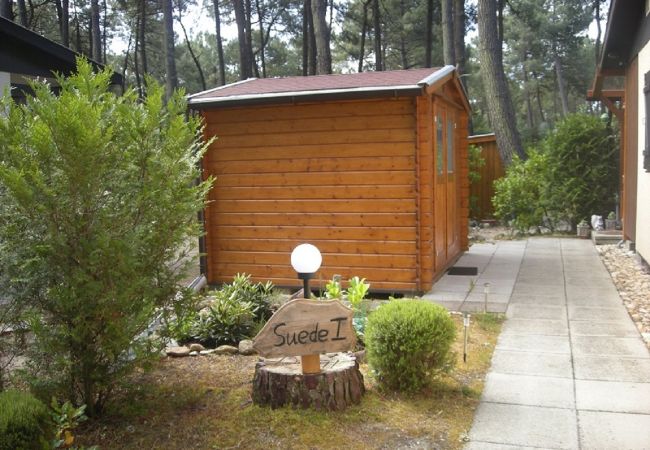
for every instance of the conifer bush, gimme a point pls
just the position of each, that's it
(24, 422)
(408, 342)
(100, 199)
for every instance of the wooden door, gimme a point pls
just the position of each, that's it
(453, 241)
(440, 188)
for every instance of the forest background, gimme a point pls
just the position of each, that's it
(549, 47)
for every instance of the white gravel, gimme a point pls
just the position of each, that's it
(632, 279)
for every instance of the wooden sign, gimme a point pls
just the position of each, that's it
(307, 327)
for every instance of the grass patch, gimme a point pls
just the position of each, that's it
(204, 403)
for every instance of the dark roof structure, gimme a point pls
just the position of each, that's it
(24, 52)
(339, 86)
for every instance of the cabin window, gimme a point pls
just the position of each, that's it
(646, 94)
(450, 146)
(439, 148)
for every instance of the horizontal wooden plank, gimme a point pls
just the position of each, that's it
(312, 137)
(286, 271)
(361, 150)
(267, 164)
(317, 206)
(318, 284)
(311, 233)
(313, 192)
(355, 108)
(334, 246)
(301, 124)
(350, 178)
(329, 259)
(315, 219)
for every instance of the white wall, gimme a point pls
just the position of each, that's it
(643, 177)
(5, 82)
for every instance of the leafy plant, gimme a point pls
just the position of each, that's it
(333, 289)
(99, 197)
(409, 341)
(611, 215)
(357, 291)
(245, 291)
(24, 422)
(66, 418)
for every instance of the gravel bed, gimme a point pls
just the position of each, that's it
(632, 279)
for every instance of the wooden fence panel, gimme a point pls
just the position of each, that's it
(481, 192)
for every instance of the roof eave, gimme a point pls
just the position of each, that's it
(305, 96)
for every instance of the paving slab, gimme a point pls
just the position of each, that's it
(623, 328)
(529, 390)
(474, 307)
(525, 425)
(613, 396)
(482, 445)
(612, 368)
(609, 346)
(519, 311)
(529, 363)
(534, 343)
(542, 327)
(596, 313)
(538, 299)
(610, 430)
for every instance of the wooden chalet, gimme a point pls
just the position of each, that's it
(369, 167)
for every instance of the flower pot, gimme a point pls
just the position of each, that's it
(584, 231)
(610, 224)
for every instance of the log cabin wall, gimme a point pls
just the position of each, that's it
(338, 174)
(483, 189)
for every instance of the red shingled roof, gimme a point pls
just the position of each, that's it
(265, 87)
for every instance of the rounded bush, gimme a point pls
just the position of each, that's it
(24, 422)
(407, 342)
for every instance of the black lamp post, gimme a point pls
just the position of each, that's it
(306, 260)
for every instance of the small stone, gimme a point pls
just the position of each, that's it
(225, 350)
(246, 347)
(177, 352)
(196, 348)
(207, 352)
(194, 353)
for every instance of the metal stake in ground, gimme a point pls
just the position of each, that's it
(466, 317)
(486, 291)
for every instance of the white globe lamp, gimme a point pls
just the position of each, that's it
(306, 260)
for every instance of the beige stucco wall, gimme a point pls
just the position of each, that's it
(643, 177)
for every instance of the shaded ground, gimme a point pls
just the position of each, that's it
(204, 402)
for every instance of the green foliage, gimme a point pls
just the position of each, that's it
(66, 418)
(99, 200)
(583, 168)
(237, 310)
(356, 292)
(574, 175)
(408, 341)
(519, 197)
(333, 289)
(24, 422)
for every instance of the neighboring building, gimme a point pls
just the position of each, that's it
(25, 55)
(369, 167)
(622, 82)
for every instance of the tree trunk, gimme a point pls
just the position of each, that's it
(65, 23)
(96, 37)
(323, 55)
(22, 12)
(192, 54)
(171, 80)
(530, 120)
(428, 35)
(542, 116)
(6, 9)
(500, 109)
(249, 37)
(312, 41)
(557, 63)
(449, 55)
(260, 18)
(364, 31)
(245, 64)
(598, 36)
(221, 64)
(136, 63)
(142, 35)
(459, 34)
(376, 17)
(306, 8)
(104, 26)
(402, 38)
(125, 66)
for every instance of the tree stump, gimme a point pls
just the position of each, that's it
(280, 381)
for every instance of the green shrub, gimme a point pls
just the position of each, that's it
(24, 422)
(237, 311)
(408, 341)
(99, 200)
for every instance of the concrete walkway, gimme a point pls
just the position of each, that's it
(570, 370)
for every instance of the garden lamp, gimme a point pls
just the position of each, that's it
(306, 260)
